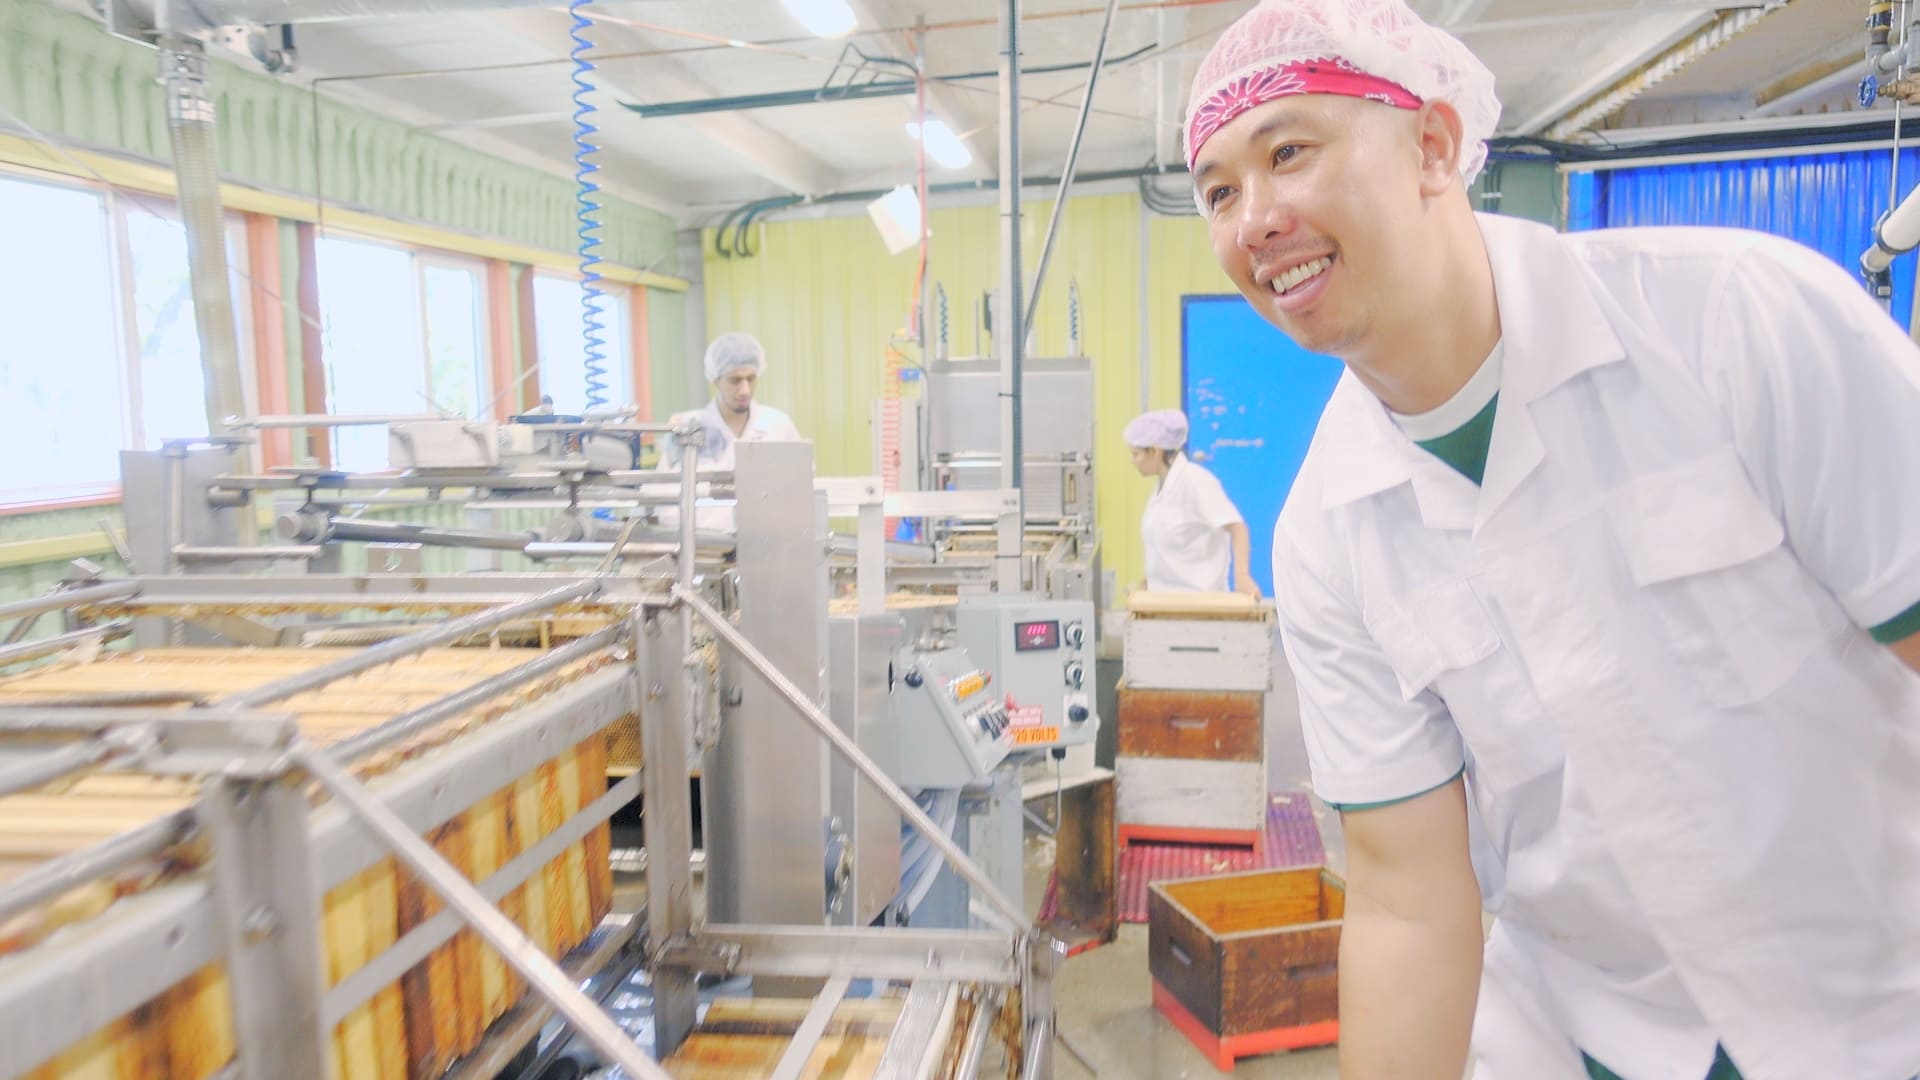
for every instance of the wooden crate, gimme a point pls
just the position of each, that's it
(1086, 868)
(1199, 654)
(1226, 800)
(1192, 725)
(1246, 963)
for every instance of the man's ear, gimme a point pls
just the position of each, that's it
(1441, 145)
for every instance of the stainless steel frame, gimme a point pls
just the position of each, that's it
(274, 858)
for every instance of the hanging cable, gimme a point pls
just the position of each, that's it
(589, 207)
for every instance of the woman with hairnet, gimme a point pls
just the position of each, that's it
(734, 362)
(1190, 525)
(1601, 585)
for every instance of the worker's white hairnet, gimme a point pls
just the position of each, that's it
(1380, 38)
(1162, 429)
(731, 352)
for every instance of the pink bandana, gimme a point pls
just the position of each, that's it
(1325, 76)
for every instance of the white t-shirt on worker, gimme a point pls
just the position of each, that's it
(1184, 530)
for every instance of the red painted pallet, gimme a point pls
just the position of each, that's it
(1224, 1050)
(1293, 839)
(1172, 834)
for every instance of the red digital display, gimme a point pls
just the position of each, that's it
(1028, 636)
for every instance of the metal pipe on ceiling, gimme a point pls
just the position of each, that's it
(881, 88)
(192, 16)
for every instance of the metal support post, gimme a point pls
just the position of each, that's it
(668, 821)
(527, 958)
(1043, 957)
(269, 901)
(870, 567)
(1010, 319)
(1066, 174)
(848, 749)
(766, 852)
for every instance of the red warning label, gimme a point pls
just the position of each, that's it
(1026, 716)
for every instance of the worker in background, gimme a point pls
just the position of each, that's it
(1601, 577)
(734, 362)
(1190, 525)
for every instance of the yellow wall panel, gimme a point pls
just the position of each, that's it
(825, 298)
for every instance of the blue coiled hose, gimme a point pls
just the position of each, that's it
(588, 214)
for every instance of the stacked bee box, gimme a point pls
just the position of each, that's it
(1191, 763)
(428, 1016)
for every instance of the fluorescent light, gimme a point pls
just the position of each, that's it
(823, 18)
(943, 146)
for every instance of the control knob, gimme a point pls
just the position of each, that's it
(1076, 674)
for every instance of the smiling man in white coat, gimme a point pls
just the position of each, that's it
(1601, 584)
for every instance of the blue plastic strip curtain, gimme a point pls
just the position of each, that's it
(1828, 202)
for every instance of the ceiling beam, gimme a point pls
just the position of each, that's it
(1655, 36)
(770, 155)
(1842, 65)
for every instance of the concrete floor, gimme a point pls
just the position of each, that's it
(1104, 1001)
(1104, 997)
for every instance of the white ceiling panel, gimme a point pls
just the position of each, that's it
(500, 80)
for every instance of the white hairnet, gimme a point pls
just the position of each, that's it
(1382, 38)
(1162, 429)
(731, 352)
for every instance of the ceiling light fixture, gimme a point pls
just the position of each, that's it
(943, 146)
(823, 18)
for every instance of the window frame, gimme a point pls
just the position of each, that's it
(620, 350)
(420, 260)
(435, 258)
(117, 206)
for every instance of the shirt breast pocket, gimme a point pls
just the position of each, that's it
(1710, 560)
(1440, 640)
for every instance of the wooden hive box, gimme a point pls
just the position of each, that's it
(411, 1029)
(1199, 641)
(1246, 963)
(1192, 765)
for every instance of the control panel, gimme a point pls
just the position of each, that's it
(954, 728)
(1041, 653)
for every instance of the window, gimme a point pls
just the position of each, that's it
(167, 372)
(98, 347)
(453, 298)
(405, 334)
(559, 324)
(60, 386)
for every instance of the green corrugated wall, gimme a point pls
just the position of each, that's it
(66, 76)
